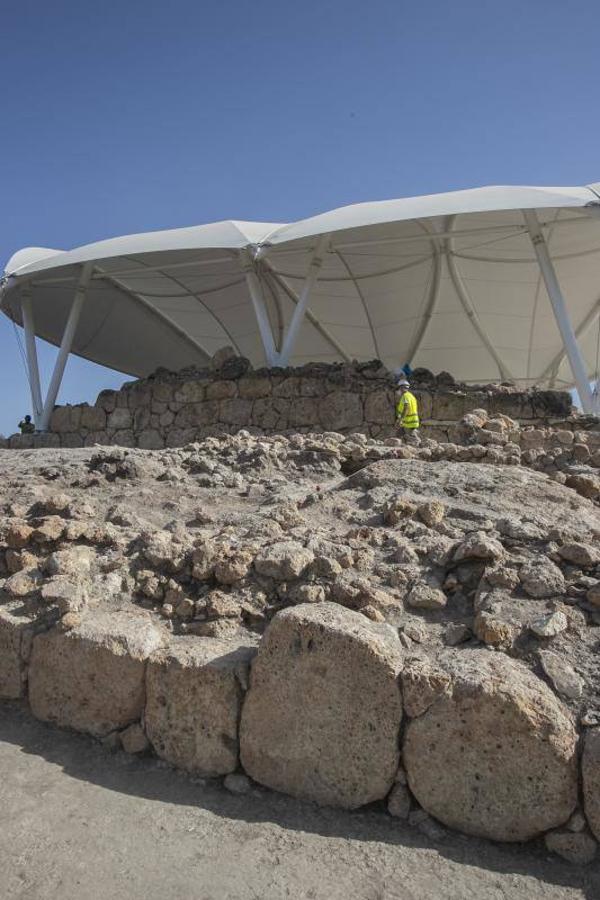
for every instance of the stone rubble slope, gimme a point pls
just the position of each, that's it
(350, 563)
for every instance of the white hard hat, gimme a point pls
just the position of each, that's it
(403, 383)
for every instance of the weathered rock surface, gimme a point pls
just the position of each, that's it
(590, 766)
(578, 848)
(16, 632)
(449, 545)
(193, 703)
(91, 678)
(283, 560)
(399, 802)
(133, 739)
(322, 716)
(494, 753)
(565, 679)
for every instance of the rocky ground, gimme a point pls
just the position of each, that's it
(480, 563)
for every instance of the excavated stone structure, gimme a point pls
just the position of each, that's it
(337, 616)
(173, 409)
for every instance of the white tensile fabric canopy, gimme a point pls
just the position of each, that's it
(496, 283)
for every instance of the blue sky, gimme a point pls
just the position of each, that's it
(132, 116)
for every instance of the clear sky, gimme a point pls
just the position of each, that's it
(135, 115)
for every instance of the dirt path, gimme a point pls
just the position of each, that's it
(78, 823)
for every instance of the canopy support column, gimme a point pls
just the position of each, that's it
(65, 347)
(300, 311)
(33, 371)
(323, 331)
(560, 310)
(260, 311)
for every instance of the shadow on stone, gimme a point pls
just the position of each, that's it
(82, 758)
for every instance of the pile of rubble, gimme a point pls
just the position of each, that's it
(302, 606)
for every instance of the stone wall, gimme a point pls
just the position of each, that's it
(175, 409)
(138, 691)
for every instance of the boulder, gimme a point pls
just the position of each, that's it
(495, 631)
(541, 578)
(586, 485)
(283, 560)
(194, 697)
(579, 554)
(426, 596)
(590, 766)
(221, 356)
(322, 716)
(478, 545)
(91, 678)
(494, 752)
(551, 625)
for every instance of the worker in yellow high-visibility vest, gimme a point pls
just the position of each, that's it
(407, 413)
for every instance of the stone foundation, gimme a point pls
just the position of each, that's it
(175, 409)
(321, 719)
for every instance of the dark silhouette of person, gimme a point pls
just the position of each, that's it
(26, 425)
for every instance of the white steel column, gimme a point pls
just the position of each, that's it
(33, 372)
(300, 311)
(65, 347)
(260, 310)
(560, 311)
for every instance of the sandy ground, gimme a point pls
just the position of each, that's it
(76, 822)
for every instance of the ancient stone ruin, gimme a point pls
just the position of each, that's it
(327, 613)
(173, 409)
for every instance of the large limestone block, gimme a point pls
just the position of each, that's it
(235, 411)
(493, 752)
(194, 415)
(193, 703)
(322, 716)
(65, 418)
(93, 418)
(119, 419)
(303, 411)
(448, 407)
(254, 386)
(150, 440)
(46, 439)
(92, 677)
(341, 410)
(190, 392)
(15, 630)
(591, 779)
(380, 407)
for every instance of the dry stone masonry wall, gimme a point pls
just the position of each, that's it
(174, 409)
